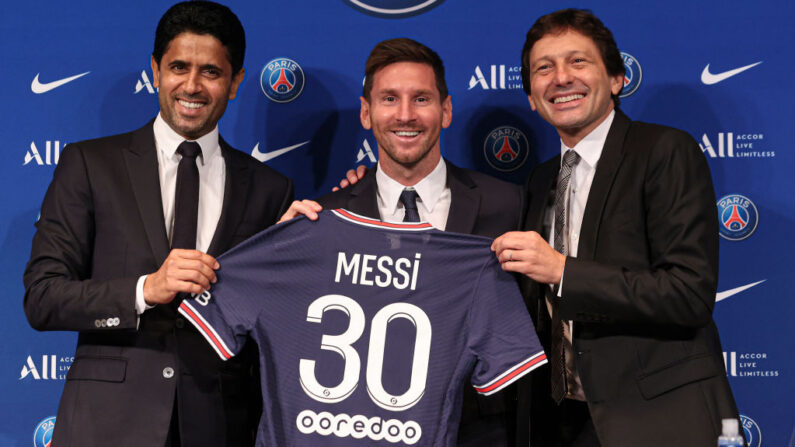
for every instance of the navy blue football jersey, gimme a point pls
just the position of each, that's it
(368, 331)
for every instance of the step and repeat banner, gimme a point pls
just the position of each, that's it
(721, 71)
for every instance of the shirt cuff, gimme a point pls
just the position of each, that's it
(560, 286)
(140, 302)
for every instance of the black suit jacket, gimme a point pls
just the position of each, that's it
(101, 227)
(641, 293)
(480, 205)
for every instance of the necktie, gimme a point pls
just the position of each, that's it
(409, 200)
(186, 198)
(559, 386)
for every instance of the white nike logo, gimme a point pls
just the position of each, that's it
(720, 296)
(709, 78)
(39, 88)
(265, 156)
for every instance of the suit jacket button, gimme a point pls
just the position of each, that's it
(168, 372)
(180, 323)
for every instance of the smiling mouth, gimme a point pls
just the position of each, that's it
(406, 133)
(567, 98)
(190, 105)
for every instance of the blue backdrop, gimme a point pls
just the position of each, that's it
(719, 70)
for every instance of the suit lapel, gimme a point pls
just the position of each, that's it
(464, 201)
(238, 176)
(141, 159)
(541, 182)
(606, 169)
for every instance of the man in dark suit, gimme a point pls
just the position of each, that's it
(101, 262)
(406, 104)
(623, 302)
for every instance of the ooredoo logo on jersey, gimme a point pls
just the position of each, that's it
(282, 80)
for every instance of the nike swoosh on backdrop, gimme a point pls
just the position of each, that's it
(39, 88)
(709, 78)
(265, 156)
(720, 296)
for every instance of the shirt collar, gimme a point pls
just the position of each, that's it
(590, 148)
(167, 141)
(429, 188)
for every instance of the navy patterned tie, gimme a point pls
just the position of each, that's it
(409, 200)
(557, 362)
(186, 197)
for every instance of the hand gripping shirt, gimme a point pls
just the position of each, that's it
(368, 331)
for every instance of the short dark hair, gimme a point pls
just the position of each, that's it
(582, 21)
(202, 17)
(403, 50)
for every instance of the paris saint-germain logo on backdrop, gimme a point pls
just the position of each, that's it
(737, 217)
(506, 148)
(752, 432)
(633, 75)
(393, 9)
(282, 80)
(42, 435)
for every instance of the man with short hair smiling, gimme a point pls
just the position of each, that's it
(129, 225)
(619, 263)
(406, 104)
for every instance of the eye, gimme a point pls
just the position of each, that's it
(178, 67)
(389, 99)
(423, 99)
(212, 72)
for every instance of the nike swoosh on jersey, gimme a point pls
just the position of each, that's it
(709, 78)
(720, 296)
(39, 88)
(265, 156)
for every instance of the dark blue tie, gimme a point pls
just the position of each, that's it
(409, 200)
(186, 197)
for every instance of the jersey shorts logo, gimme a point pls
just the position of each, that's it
(393, 9)
(282, 80)
(753, 434)
(633, 75)
(42, 435)
(738, 217)
(506, 148)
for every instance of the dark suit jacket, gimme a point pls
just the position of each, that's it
(641, 293)
(101, 227)
(480, 205)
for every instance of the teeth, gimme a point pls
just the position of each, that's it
(190, 105)
(405, 133)
(567, 98)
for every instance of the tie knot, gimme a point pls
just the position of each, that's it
(409, 199)
(189, 149)
(570, 158)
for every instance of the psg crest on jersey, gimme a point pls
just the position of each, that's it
(737, 216)
(393, 9)
(282, 80)
(506, 148)
(42, 435)
(633, 74)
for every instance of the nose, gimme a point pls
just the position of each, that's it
(563, 75)
(405, 111)
(193, 82)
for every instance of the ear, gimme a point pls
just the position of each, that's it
(532, 102)
(364, 113)
(616, 82)
(236, 81)
(447, 112)
(155, 74)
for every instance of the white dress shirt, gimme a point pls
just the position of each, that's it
(212, 177)
(433, 203)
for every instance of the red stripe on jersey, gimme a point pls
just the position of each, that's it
(520, 369)
(361, 219)
(198, 322)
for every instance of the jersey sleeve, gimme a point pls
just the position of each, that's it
(501, 335)
(226, 313)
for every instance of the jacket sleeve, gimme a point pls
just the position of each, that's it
(59, 291)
